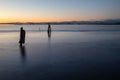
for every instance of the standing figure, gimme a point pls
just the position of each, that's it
(22, 36)
(49, 30)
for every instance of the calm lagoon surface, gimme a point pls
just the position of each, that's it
(71, 52)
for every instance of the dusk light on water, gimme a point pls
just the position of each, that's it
(59, 40)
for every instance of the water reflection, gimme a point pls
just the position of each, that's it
(49, 34)
(23, 53)
(49, 39)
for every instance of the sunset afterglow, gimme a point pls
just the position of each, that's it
(58, 10)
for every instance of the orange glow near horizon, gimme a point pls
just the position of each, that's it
(46, 19)
(57, 10)
(41, 19)
(51, 17)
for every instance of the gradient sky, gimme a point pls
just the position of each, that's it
(58, 10)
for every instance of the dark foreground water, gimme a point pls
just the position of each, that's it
(93, 55)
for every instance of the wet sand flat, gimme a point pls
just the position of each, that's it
(62, 56)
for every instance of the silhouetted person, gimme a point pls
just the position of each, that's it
(49, 30)
(22, 36)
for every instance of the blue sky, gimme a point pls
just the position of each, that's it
(58, 10)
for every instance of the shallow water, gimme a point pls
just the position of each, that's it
(63, 56)
(64, 28)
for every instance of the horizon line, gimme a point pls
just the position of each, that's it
(56, 21)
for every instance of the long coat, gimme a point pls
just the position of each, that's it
(22, 36)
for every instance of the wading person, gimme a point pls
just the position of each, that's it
(22, 36)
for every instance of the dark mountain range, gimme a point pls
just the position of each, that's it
(101, 22)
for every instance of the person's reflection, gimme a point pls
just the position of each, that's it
(49, 34)
(23, 53)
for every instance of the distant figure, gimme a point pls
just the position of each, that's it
(49, 30)
(22, 36)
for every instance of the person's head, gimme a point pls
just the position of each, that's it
(21, 28)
